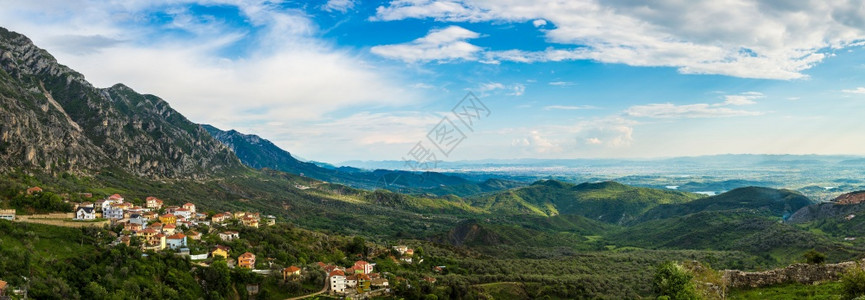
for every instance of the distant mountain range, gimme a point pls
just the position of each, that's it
(258, 153)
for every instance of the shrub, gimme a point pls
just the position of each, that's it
(672, 282)
(814, 257)
(854, 282)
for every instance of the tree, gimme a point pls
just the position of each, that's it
(814, 257)
(217, 278)
(672, 281)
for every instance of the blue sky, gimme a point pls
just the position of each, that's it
(354, 80)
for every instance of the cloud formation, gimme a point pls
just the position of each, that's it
(444, 44)
(272, 76)
(858, 90)
(746, 38)
(698, 110)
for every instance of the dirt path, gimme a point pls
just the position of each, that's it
(324, 289)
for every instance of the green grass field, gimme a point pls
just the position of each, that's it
(828, 290)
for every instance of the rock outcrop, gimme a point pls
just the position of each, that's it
(850, 198)
(53, 119)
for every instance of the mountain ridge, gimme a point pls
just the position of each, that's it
(49, 105)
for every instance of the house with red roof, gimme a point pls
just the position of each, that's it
(363, 266)
(34, 190)
(337, 281)
(176, 241)
(246, 260)
(153, 202)
(189, 207)
(289, 272)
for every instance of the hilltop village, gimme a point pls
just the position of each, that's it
(153, 226)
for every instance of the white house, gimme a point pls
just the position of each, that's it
(337, 282)
(176, 241)
(229, 235)
(106, 205)
(182, 212)
(153, 202)
(190, 207)
(137, 219)
(85, 213)
(112, 213)
(7, 214)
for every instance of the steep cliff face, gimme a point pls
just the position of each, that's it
(54, 119)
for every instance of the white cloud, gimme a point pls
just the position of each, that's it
(742, 99)
(745, 38)
(611, 132)
(698, 110)
(537, 144)
(539, 23)
(286, 77)
(445, 44)
(338, 5)
(484, 89)
(569, 107)
(517, 90)
(561, 83)
(858, 90)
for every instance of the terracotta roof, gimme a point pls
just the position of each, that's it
(148, 230)
(167, 216)
(159, 235)
(189, 204)
(2, 285)
(225, 248)
(361, 263)
(115, 197)
(176, 236)
(321, 264)
(336, 273)
(363, 277)
(247, 255)
(292, 269)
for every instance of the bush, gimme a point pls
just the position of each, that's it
(814, 257)
(672, 282)
(854, 282)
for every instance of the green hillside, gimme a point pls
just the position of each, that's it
(764, 201)
(605, 201)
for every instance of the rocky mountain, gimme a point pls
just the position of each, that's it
(851, 198)
(54, 120)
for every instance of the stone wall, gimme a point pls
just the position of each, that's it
(801, 273)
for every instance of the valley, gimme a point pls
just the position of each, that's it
(508, 229)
